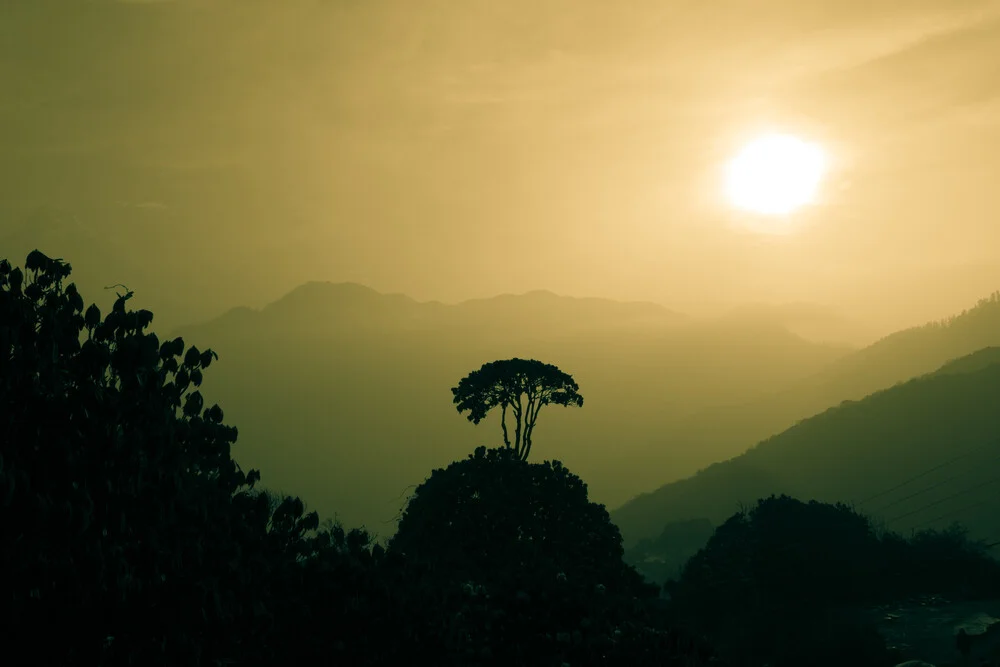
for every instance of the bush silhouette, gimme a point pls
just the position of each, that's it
(524, 565)
(783, 581)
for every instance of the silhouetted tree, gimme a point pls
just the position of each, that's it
(126, 529)
(518, 567)
(524, 386)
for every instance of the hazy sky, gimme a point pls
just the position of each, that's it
(451, 149)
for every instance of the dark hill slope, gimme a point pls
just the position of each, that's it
(728, 429)
(878, 452)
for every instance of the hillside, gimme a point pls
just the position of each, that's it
(725, 430)
(337, 382)
(918, 455)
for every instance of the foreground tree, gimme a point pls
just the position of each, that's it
(518, 567)
(524, 386)
(125, 526)
(116, 480)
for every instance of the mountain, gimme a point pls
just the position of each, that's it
(341, 393)
(326, 308)
(811, 321)
(917, 455)
(726, 429)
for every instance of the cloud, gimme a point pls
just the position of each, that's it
(925, 79)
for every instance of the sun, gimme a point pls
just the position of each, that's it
(775, 175)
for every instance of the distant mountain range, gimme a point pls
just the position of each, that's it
(920, 454)
(341, 393)
(341, 308)
(339, 378)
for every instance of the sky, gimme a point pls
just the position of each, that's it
(454, 149)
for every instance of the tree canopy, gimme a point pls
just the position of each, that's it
(534, 568)
(783, 582)
(522, 385)
(126, 526)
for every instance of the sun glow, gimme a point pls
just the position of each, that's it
(775, 175)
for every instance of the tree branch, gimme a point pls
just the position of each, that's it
(527, 425)
(503, 424)
(518, 412)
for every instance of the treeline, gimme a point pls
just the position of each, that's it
(129, 536)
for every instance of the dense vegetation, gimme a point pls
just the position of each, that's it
(784, 582)
(130, 536)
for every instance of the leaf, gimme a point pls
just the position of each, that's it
(206, 358)
(192, 357)
(76, 301)
(143, 319)
(193, 404)
(93, 316)
(171, 348)
(214, 414)
(196, 377)
(35, 261)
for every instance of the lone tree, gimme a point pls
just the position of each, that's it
(524, 386)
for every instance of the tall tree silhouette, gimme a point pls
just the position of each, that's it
(524, 386)
(123, 514)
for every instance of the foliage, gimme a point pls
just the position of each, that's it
(126, 523)
(522, 564)
(941, 562)
(524, 386)
(112, 471)
(784, 581)
(130, 534)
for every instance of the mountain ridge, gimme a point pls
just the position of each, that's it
(894, 358)
(897, 432)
